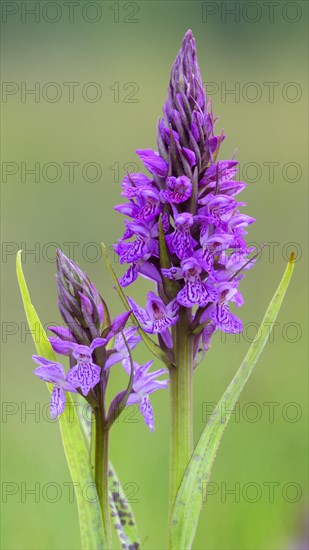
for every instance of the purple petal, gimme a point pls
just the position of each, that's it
(147, 412)
(57, 402)
(129, 277)
(149, 271)
(137, 180)
(49, 371)
(97, 342)
(86, 304)
(101, 312)
(139, 312)
(213, 143)
(193, 293)
(173, 273)
(172, 308)
(179, 189)
(131, 252)
(153, 162)
(134, 399)
(63, 347)
(190, 156)
(207, 333)
(154, 385)
(119, 322)
(84, 376)
(127, 209)
(63, 332)
(154, 305)
(132, 338)
(67, 386)
(160, 325)
(167, 338)
(241, 220)
(225, 320)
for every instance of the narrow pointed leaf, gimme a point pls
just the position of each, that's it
(90, 519)
(151, 345)
(122, 514)
(193, 487)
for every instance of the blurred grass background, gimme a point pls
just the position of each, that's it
(114, 51)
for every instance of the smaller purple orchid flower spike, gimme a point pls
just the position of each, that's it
(193, 193)
(145, 383)
(53, 372)
(157, 317)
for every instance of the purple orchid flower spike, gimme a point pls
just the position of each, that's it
(157, 317)
(145, 383)
(194, 193)
(53, 372)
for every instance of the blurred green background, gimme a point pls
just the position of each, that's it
(125, 49)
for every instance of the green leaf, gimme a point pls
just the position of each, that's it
(122, 514)
(90, 519)
(193, 487)
(151, 345)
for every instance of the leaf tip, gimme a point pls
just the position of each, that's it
(18, 256)
(292, 258)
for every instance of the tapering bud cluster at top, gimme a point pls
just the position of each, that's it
(93, 343)
(190, 198)
(185, 133)
(80, 304)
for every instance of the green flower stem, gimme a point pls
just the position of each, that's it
(181, 436)
(101, 470)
